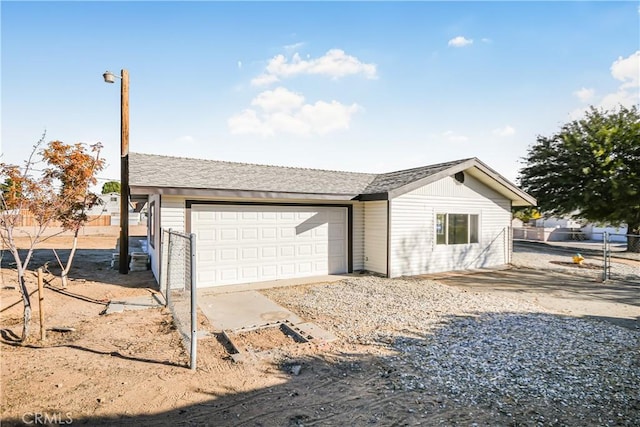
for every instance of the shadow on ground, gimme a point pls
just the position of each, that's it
(528, 280)
(491, 369)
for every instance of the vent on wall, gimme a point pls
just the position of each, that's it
(459, 177)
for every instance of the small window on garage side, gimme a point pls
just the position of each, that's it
(151, 223)
(441, 229)
(457, 229)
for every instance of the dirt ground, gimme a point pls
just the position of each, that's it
(129, 368)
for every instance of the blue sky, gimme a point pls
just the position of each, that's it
(360, 86)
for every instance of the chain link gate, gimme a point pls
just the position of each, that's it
(178, 285)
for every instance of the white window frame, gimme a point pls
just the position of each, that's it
(444, 232)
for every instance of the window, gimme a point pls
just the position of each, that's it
(152, 224)
(456, 229)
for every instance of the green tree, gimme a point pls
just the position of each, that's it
(590, 169)
(111, 187)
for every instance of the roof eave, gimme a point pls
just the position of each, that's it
(431, 178)
(227, 193)
(497, 182)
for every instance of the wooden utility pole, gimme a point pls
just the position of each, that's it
(124, 173)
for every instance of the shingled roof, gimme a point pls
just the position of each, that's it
(151, 173)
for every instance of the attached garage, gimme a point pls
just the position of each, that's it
(256, 223)
(255, 243)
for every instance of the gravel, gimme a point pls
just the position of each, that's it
(506, 357)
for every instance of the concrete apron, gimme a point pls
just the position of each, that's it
(237, 308)
(154, 300)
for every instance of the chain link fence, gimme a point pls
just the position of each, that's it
(177, 283)
(601, 257)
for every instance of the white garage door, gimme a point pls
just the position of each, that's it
(254, 243)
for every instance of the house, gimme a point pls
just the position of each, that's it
(109, 206)
(260, 223)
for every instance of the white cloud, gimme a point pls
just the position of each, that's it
(335, 64)
(453, 137)
(279, 99)
(460, 41)
(620, 97)
(264, 79)
(283, 111)
(325, 117)
(584, 94)
(247, 122)
(486, 40)
(240, 65)
(504, 131)
(627, 70)
(292, 47)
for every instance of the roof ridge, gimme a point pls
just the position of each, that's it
(256, 164)
(433, 165)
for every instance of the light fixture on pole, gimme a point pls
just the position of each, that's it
(109, 77)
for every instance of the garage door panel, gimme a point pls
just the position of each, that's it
(249, 243)
(336, 231)
(228, 254)
(250, 233)
(304, 250)
(228, 234)
(269, 272)
(227, 216)
(269, 233)
(320, 232)
(249, 216)
(250, 254)
(287, 233)
(269, 252)
(287, 251)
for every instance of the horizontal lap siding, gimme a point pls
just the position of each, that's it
(375, 231)
(173, 213)
(413, 248)
(358, 236)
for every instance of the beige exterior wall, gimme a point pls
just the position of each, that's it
(358, 236)
(375, 236)
(413, 246)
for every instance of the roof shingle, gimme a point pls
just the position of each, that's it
(151, 170)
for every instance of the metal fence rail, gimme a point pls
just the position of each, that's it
(177, 283)
(605, 256)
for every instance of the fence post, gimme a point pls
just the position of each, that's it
(43, 333)
(605, 266)
(194, 304)
(168, 284)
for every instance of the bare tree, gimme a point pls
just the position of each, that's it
(61, 193)
(23, 193)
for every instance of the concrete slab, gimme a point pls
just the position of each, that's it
(241, 310)
(135, 303)
(311, 331)
(273, 284)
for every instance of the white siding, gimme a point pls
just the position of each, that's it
(413, 247)
(154, 247)
(375, 231)
(172, 213)
(358, 236)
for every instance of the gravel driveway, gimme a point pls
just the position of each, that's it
(487, 358)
